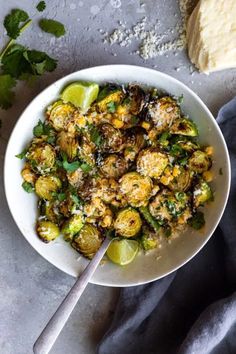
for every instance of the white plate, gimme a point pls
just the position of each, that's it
(158, 263)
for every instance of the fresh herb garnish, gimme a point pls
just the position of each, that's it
(134, 120)
(12, 22)
(51, 26)
(95, 135)
(105, 91)
(70, 166)
(78, 201)
(22, 154)
(41, 6)
(126, 101)
(180, 99)
(45, 129)
(197, 221)
(221, 171)
(28, 187)
(111, 107)
(85, 167)
(61, 196)
(6, 93)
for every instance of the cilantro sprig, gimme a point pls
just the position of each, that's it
(43, 129)
(41, 6)
(13, 20)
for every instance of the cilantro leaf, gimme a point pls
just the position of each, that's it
(86, 167)
(38, 129)
(197, 221)
(134, 120)
(41, 6)
(13, 20)
(51, 26)
(70, 166)
(95, 135)
(39, 62)
(22, 154)
(45, 129)
(111, 107)
(6, 93)
(28, 187)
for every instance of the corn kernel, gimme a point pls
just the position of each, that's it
(208, 176)
(28, 175)
(152, 134)
(164, 180)
(121, 110)
(117, 123)
(209, 150)
(176, 171)
(181, 220)
(146, 125)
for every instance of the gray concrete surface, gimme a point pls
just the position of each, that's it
(31, 288)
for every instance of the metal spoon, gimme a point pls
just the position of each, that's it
(52, 330)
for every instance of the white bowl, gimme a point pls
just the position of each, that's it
(145, 268)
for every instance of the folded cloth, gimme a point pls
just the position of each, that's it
(191, 311)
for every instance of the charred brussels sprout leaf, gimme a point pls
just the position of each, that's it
(184, 126)
(149, 218)
(197, 221)
(88, 241)
(47, 231)
(128, 222)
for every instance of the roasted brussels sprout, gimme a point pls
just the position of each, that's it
(136, 188)
(72, 226)
(110, 101)
(151, 162)
(112, 139)
(68, 143)
(46, 186)
(87, 149)
(163, 111)
(184, 126)
(113, 166)
(42, 158)
(51, 210)
(199, 162)
(188, 145)
(88, 241)
(166, 207)
(128, 222)
(59, 115)
(135, 99)
(148, 241)
(76, 178)
(134, 142)
(201, 193)
(47, 231)
(182, 181)
(95, 208)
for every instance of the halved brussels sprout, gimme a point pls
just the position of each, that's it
(166, 207)
(68, 143)
(135, 99)
(51, 210)
(134, 142)
(45, 186)
(151, 162)
(72, 226)
(182, 182)
(47, 231)
(87, 150)
(88, 241)
(199, 162)
(188, 145)
(59, 115)
(112, 99)
(113, 166)
(184, 126)
(148, 242)
(28, 175)
(136, 188)
(201, 193)
(112, 139)
(41, 157)
(128, 222)
(76, 178)
(95, 208)
(163, 111)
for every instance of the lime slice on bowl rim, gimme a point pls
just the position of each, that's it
(122, 251)
(81, 94)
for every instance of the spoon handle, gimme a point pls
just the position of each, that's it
(52, 330)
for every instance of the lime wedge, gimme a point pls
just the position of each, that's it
(122, 252)
(81, 94)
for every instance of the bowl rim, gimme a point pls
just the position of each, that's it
(150, 71)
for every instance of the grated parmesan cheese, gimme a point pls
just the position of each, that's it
(151, 43)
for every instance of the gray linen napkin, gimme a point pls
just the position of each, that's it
(191, 311)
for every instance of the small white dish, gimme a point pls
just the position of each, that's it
(145, 268)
